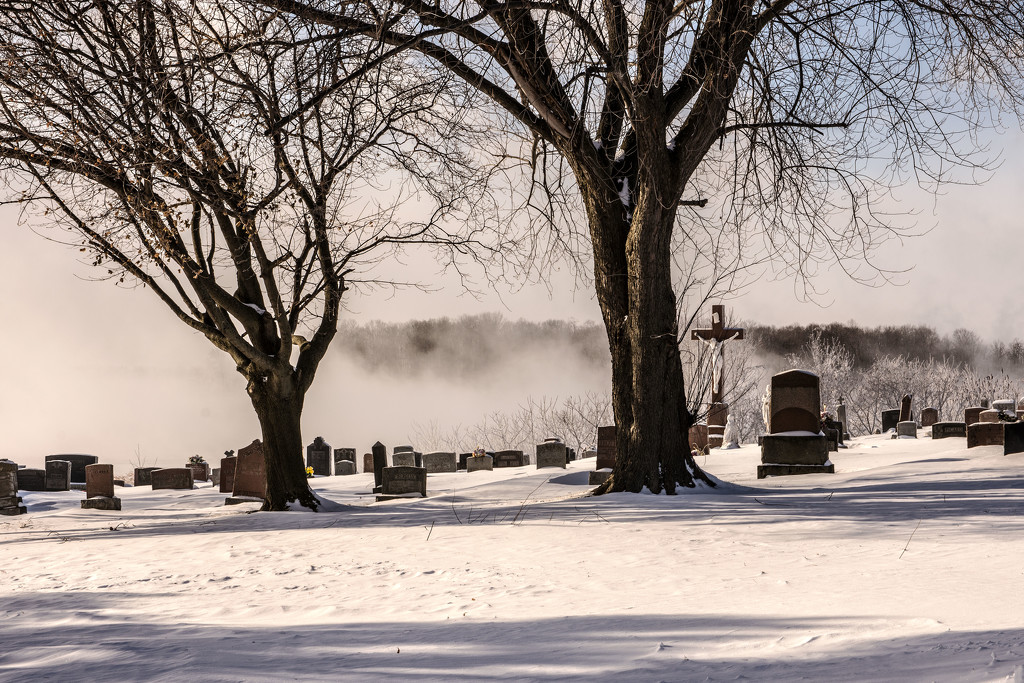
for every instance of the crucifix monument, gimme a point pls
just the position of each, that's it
(715, 337)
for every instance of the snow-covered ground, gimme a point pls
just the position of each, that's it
(907, 564)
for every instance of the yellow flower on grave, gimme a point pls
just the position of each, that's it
(309, 472)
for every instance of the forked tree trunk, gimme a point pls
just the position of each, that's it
(279, 409)
(638, 304)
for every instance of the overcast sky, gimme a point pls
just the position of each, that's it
(94, 368)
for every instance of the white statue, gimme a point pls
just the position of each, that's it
(766, 409)
(731, 438)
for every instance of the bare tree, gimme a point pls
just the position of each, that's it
(783, 120)
(185, 147)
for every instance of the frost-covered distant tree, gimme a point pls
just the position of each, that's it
(186, 147)
(779, 123)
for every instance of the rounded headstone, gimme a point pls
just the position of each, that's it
(990, 415)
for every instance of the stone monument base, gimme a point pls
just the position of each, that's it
(238, 500)
(399, 496)
(598, 477)
(11, 505)
(784, 449)
(775, 470)
(101, 503)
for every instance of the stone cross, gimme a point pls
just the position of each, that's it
(716, 338)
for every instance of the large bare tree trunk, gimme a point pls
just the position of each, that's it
(278, 407)
(632, 272)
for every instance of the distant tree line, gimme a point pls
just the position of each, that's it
(870, 344)
(467, 345)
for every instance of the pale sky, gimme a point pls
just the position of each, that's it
(92, 368)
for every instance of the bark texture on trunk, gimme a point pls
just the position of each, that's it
(633, 277)
(278, 406)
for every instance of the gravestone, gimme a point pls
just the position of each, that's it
(78, 463)
(606, 447)
(985, 434)
(403, 459)
(905, 408)
(989, 415)
(907, 429)
(200, 470)
(509, 459)
(699, 438)
(971, 415)
(215, 477)
(438, 462)
(227, 474)
(176, 478)
(344, 468)
(551, 454)
(1006, 406)
(796, 444)
(984, 403)
(318, 456)
(463, 459)
(31, 479)
(367, 462)
(1013, 438)
(476, 463)
(99, 488)
(841, 417)
(403, 482)
(890, 418)
(417, 457)
(58, 475)
(929, 416)
(343, 455)
(946, 430)
(144, 476)
(831, 439)
(10, 501)
(380, 461)
(250, 474)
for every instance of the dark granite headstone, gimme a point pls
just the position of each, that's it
(841, 417)
(403, 481)
(832, 437)
(200, 470)
(890, 418)
(929, 416)
(344, 468)
(906, 414)
(144, 476)
(367, 462)
(99, 481)
(985, 434)
(343, 454)
(250, 472)
(1013, 438)
(318, 456)
(508, 459)
(945, 430)
(795, 405)
(31, 479)
(606, 447)
(551, 454)
(699, 438)
(172, 478)
(227, 474)
(78, 463)
(58, 475)
(435, 463)
(380, 461)
(463, 459)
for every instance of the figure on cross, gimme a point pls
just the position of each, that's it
(715, 337)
